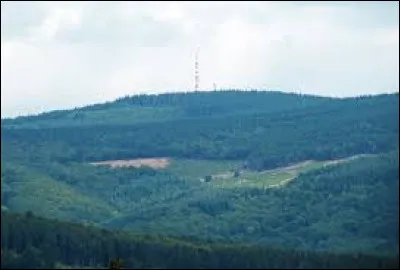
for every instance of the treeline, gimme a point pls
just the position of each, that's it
(193, 104)
(197, 104)
(31, 242)
(264, 140)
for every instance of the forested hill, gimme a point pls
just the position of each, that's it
(262, 168)
(265, 129)
(31, 242)
(170, 106)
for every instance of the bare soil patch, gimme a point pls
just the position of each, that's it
(155, 163)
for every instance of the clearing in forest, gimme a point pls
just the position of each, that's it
(222, 171)
(155, 163)
(276, 177)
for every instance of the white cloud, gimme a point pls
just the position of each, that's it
(65, 54)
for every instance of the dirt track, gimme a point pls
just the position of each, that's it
(156, 163)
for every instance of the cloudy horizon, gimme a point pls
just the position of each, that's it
(61, 55)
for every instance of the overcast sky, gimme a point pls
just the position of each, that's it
(65, 54)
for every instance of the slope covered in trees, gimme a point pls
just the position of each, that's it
(349, 207)
(352, 206)
(265, 140)
(157, 108)
(344, 207)
(31, 242)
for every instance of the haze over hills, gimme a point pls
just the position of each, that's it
(235, 167)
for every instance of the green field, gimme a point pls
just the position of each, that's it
(195, 169)
(222, 172)
(272, 178)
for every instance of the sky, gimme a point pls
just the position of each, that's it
(61, 55)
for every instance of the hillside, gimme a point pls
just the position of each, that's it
(260, 168)
(264, 139)
(170, 106)
(339, 207)
(53, 244)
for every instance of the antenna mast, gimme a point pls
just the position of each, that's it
(196, 70)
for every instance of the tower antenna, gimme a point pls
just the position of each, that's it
(196, 70)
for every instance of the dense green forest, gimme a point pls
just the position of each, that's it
(158, 108)
(31, 242)
(310, 176)
(263, 139)
(353, 206)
